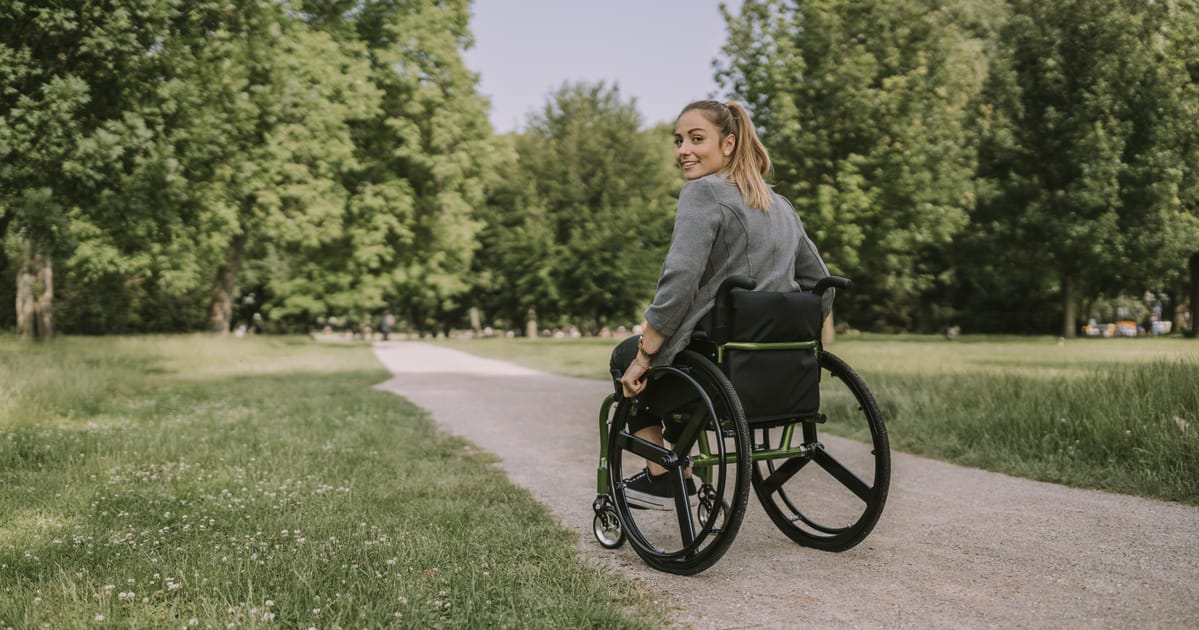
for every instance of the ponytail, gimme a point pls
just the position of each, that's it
(750, 163)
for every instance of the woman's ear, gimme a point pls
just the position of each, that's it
(730, 143)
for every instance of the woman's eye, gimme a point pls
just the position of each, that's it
(678, 142)
(697, 139)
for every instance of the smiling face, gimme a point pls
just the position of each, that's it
(698, 147)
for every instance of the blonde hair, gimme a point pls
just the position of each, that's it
(750, 163)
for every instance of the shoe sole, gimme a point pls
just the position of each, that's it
(648, 502)
(643, 501)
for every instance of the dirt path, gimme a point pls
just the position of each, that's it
(956, 547)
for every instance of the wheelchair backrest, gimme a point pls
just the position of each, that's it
(772, 354)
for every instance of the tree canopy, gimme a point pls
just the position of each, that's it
(1003, 165)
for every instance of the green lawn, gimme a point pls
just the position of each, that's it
(152, 481)
(194, 482)
(1112, 414)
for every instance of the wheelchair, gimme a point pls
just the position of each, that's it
(755, 401)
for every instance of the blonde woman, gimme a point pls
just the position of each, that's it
(729, 222)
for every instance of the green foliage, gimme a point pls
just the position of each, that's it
(579, 222)
(410, 229)
(997, 164)
(336, 154)
(287, 101)
(1080, 145)
(865, 109)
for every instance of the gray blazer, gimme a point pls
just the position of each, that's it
(716, 236)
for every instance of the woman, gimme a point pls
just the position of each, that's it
(729, 222)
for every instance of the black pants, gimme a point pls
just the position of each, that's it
(622, 357)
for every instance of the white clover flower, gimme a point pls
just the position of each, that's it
(99, 618)
(269, 603)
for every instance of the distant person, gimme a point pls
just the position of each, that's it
(386, 324)
(729, 222)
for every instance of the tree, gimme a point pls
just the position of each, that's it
(72, 82)
(1079, 160)
(272, 105)
(1181, 63)
(579, 229)
(409, 233)
(865, 108)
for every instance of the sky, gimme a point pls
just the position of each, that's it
(658, 52)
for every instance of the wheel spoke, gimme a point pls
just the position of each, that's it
(842, 474)
(682, 507)
(658, 454)
(698, 421)
(784, 473)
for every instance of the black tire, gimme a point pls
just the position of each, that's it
(834, 503)
(714, 437)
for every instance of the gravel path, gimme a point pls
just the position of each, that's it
(956, 547)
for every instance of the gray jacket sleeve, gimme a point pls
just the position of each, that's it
(695, 228)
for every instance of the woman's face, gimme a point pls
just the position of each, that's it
(698, 147)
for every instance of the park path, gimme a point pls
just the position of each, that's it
(955, 548)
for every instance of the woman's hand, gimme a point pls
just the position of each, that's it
(633, 382)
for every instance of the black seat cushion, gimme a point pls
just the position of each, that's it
(775, 385)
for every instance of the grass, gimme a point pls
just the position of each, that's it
(1111, 414)
(191, 482)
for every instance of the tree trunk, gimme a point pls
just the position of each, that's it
(1193, 325)
(35, 293)
(220, 312)
(1069, 316)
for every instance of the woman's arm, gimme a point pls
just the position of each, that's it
(696, 226)
(633, 381)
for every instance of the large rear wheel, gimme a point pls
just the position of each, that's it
(831, 494)
(711, 445)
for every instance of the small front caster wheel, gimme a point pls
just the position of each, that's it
(711, 510)
(607, 529)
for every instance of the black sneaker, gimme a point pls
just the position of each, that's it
(652, 492)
